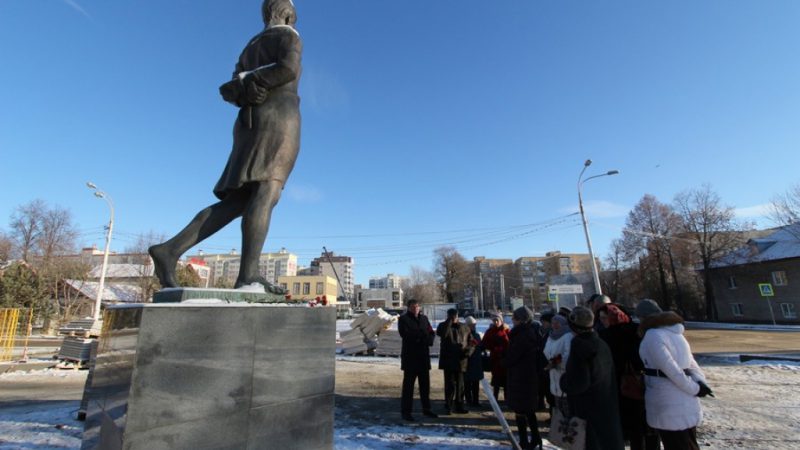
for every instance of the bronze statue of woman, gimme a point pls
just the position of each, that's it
(266, 141)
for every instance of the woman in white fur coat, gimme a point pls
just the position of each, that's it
(673, 380)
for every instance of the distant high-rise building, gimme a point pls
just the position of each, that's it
(224, 267)
(535, 272)
(390, 281)
(494, 275)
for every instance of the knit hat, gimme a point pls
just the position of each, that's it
(470, 320)
(495, 315)
(647, 308)
(562, 330)
(523, 314)
(581, 318)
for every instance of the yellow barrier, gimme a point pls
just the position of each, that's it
(9, 320)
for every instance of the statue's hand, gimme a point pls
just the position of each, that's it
(231, 91)
(254, 94)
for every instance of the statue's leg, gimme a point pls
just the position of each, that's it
(205, 223)
(255, 225)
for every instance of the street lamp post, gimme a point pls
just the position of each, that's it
(595, 273)
(100, 194)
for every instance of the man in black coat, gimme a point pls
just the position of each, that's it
(453, 354)
(523, 361)
(415, 359)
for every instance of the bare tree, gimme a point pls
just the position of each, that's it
(6, 247)
(648, 229)
(146, 281)
(454, 272)
(785, 209)
(713, 228)
(26, 227)
(57, 233)
(421, 285)
(611, 279)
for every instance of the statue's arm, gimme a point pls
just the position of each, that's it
(287, 67)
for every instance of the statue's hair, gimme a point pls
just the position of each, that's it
(278, 12)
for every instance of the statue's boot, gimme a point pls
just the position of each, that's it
(164, 266)
(268, 287)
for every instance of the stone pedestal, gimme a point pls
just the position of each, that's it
(219, 376)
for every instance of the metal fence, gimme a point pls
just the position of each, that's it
(9, 327)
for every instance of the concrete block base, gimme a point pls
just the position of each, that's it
(222, 376)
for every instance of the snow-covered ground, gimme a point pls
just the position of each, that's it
(757, 406)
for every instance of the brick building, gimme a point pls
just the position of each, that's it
(773, 259)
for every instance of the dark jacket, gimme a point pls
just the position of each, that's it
(474, 362)
(522, 362)
(417, 335)
(454, 345)
(623, 341)
(591, 387)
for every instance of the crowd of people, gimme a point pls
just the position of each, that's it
(629, 375)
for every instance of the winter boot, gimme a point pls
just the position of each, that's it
(522, 428)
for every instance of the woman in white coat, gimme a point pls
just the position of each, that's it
(673, 380)
(556, 350)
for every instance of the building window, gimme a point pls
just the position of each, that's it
(283, 286)
(788, 310)
(296, 288)
(731, 282)
(779, 278)
(306, 288)
(736, 309)
(320, 288)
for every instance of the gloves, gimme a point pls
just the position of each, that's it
(704, 390)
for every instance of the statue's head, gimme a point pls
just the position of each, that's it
(278, 12)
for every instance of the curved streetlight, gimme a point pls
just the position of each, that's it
(595, 273)
(100, 194)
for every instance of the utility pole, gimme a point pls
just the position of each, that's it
(100, 194)
(595, 274)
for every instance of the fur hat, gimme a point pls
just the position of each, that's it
(470, 320)
(581, 318)
(647, 308)
(523, 314)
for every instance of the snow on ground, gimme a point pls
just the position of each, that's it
(50, 426)
(756, 407)
(54, 373)
(408, 436)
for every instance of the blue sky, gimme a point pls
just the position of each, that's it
(424, 122)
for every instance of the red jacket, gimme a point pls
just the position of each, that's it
(496, 342)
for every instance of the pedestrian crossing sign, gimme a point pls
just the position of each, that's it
(552, 296)
(766, 290)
